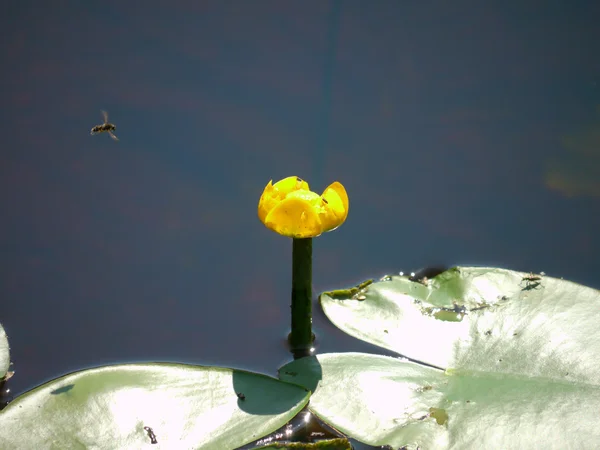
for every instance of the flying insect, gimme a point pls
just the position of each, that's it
(106, 127)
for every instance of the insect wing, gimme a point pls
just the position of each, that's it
(113, 136)
(105, 116)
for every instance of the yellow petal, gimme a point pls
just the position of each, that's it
(312, 198)
(294, 217)
(274, 193)
(291, 184)
(336, 198)
(267, 201)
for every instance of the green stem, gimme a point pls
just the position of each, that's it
(301, 336)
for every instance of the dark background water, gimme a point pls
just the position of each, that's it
(465, 132)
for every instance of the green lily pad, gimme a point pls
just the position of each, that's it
(130, 406)
(4, 354)
(520, 350)
(481, 319)
(380, 400)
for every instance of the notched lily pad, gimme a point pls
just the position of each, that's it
(482, 318)
(138, 405)
(376, 399)
(521, 363)
(380, 400)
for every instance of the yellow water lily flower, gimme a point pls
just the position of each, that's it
(291, 209)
